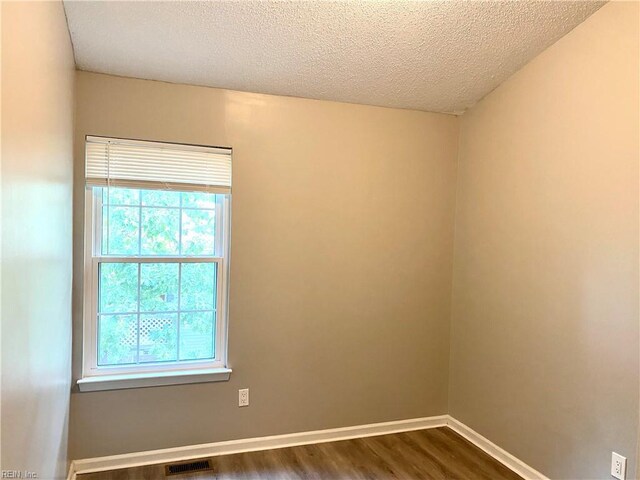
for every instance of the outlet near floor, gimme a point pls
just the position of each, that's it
(618, 466)
(243, 397)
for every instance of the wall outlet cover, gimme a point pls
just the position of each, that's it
(243, 397)
(618, 466)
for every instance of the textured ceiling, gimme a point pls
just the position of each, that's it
(436, 56)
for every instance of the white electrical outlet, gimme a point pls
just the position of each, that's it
(618, 466)
(243, 397)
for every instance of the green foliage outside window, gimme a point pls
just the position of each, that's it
(156, 312)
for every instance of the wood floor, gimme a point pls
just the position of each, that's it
(437, 454)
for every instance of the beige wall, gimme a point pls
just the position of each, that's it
(37, 129)
(544, 353)
(340, 266)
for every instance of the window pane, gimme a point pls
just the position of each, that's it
(164, 311)
(196, 335)
(120, 196)
(198, 200)
(160, 227)
(158, 338)
(160, 198)
(198, 286)
(118, 288)
(158, 287)
(198, 227)
(117, 339)
(121, 225)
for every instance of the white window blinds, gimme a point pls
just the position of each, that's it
(140, 164)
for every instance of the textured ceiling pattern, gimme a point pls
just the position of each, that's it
(435, 56)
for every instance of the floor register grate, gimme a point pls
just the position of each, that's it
(187, 467)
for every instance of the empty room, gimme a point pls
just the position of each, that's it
(320, 239)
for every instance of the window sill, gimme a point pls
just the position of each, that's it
(153, 379)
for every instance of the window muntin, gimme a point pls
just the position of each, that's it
(158, 222)
(156, 312)
(158, 280)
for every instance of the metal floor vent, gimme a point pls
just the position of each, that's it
(187, 467)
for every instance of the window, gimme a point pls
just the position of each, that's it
(156, 263)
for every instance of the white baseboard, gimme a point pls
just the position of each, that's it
(504, 457)
(177, 454)
(72, 472)
(166, 455)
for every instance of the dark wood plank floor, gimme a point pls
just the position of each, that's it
(436, 454)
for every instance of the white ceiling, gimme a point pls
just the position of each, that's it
(440, 56)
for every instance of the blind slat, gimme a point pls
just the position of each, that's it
(112, 161)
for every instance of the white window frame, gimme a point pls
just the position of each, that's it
(129, 375)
